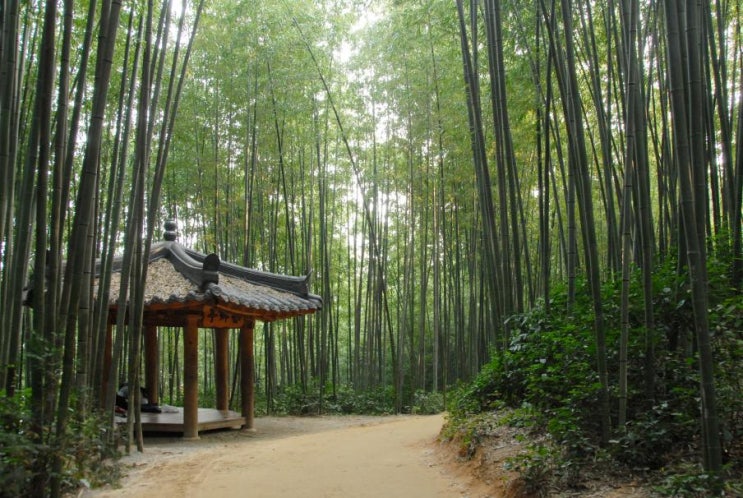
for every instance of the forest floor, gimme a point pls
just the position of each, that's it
(330, 456)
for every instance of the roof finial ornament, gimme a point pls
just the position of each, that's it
(170, 230)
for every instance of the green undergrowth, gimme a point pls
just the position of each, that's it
(344, 400)
(26, 457)
(546, 382)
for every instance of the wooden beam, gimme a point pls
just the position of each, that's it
(222, 367)
(191, 378)
(152, 364)
(217, 318)
(247, 374)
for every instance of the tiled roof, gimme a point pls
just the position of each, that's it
(177, 275)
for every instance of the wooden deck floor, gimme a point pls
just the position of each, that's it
(209, 419)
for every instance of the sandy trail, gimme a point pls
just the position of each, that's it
(298, 457)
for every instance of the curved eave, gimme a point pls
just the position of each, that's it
(168, 290)
(288, 283)
(234, 291)
(259, 302)
(180, 280)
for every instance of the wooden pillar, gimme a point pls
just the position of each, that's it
(191, 378)
(222, 368)
(152, 364)
(247, 373)
(107, 353)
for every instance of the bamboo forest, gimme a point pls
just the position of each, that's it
(529, 207)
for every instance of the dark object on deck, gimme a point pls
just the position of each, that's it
(122, 400)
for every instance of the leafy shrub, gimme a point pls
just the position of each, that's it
(727, 322)
(468, 432)
(295, 400)
(18, 447)
(647, 439)
(535, 468)
(549, 365)
(427, 403)
(380, 401)
(89, 459)
(26, 457)
(688, 481)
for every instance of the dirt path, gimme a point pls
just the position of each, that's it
(299, 457)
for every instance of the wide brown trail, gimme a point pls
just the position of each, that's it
(298, 457)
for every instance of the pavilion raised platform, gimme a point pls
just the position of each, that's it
(172, 420)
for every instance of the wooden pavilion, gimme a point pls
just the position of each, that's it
(195, 291)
